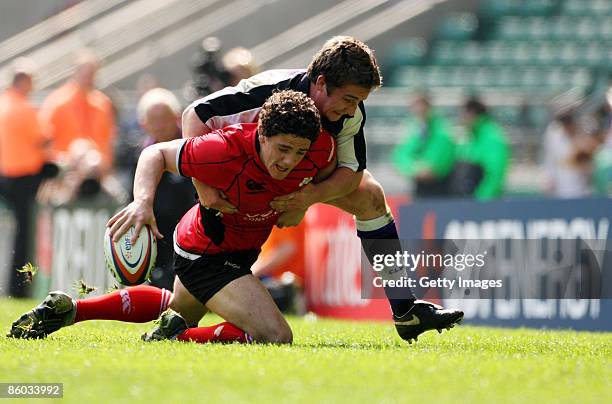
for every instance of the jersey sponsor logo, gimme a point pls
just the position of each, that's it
(305, 181)
(259, 217)
(255, 186)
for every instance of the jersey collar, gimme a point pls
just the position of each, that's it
(304, 84)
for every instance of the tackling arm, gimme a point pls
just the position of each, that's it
(192, 125)
(342, 182)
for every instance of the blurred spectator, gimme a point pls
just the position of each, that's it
(82, 176)
(212, 73)
(602, 161)
(567, 158)
(239, 64)
(482, 161)
(146, 82)
(281, 267)
(208, 72)
(130, 136)
(602, 168)
(23, 154)
(428, 154)
(159, 115)
(77, 110)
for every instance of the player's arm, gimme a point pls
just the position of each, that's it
(294, 217)
(192, 124)
(351, 162)
(153, 161)
(341, 182)
(344, 180)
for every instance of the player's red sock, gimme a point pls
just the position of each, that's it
(138, 304)
(224, 332)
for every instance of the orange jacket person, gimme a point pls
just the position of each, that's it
(22, 143)
(22, 156)
(78, 110)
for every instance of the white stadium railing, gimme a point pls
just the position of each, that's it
(365, 30)
(311, 28)
(109, 35)
(54, 26)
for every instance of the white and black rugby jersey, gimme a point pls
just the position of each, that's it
(241, 104)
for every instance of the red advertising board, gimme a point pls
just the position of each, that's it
(333, 265)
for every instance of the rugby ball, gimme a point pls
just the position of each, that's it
(130, 264)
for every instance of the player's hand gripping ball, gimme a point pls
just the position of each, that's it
(131, 264)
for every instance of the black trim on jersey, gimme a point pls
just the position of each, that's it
(180, 159)
(360, 142)
(303, 84)
(332, 127)
(235, 103)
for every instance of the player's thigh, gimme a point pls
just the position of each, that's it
(186, 304)
(366, 202)
(247, 304)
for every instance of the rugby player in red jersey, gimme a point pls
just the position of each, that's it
(339, 78)
(251, 164)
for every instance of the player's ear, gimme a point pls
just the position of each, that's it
(260, 137)
(321, 82)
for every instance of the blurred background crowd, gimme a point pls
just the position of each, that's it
(482, 99)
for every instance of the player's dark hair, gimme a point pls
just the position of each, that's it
(290, 112)
(344, 60)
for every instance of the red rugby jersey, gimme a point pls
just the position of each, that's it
(228, 160)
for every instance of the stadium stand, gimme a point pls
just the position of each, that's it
(546, 47)
(526, 58)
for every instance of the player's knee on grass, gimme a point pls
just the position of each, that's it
(277, 333)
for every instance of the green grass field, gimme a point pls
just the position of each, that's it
(330, 361)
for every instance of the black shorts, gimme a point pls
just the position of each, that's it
(208, 274)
